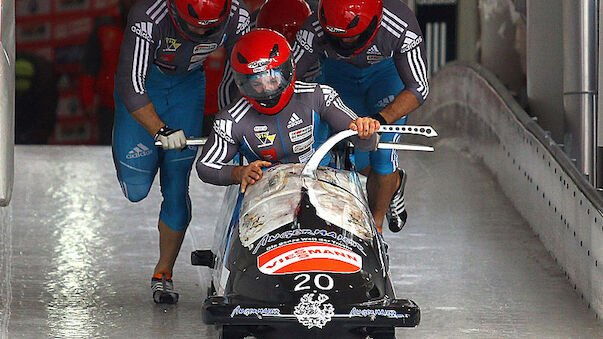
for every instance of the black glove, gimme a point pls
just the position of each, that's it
(380, 118)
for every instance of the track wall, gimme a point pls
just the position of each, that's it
(470, 108)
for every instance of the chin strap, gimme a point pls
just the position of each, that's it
(269, 103)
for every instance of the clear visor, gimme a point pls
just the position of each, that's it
(266, 84)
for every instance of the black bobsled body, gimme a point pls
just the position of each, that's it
(300, 257)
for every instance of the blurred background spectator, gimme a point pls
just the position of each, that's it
(58, 31)
(80, 40)
(35, 99)
(99, 64)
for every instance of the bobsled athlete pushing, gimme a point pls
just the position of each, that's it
(297, 253)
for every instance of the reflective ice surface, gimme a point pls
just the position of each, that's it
(77, 256)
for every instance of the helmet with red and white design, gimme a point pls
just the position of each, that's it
(350, 25)
(283, 16)
(200, 20)
(264, 70)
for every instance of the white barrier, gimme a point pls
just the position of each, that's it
(7, 99)
(470, 106)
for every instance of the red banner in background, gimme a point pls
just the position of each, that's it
(58, 31)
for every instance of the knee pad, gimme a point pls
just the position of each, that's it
(135, 192)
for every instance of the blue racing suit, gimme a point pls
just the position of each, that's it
(158, 65)
(394, 61)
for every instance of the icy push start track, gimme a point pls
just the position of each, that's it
(77, 256)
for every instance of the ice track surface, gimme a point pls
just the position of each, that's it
(77, 257)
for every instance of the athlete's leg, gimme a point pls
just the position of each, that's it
(135, 157)
(347, 80)
(353, 85)
(185, 111)
(175, 212)
(383, 179)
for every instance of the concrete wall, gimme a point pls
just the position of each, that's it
(545, 65)
(502, 32)
(468, 31)
(470, 106)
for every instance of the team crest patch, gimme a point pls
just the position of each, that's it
(373, 59)
(265, 138)
(171, 45)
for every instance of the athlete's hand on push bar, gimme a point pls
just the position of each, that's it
(365, 126)
(171, 138)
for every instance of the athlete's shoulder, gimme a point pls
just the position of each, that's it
(325, 93)
(239, 17)
(305, 87)
(236, 110)
(309, 32)
(398, 8)
(223, 127)
(228, 121)
(328, 93)
(152, 10)
(396, 18)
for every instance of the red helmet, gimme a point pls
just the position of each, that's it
(200, 20)
(284, 16)
(344, 19)
(263, 70)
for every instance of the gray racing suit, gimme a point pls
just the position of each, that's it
(152, 40)
(290, 136)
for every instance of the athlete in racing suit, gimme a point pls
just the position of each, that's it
(278, 119)
(374, 56)
(160, 83)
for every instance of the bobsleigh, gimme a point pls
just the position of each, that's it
(298, 255)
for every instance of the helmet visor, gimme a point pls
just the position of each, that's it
(265, 84)
(198, 33)
(347, 46)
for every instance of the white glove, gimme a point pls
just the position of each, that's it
(171, 138)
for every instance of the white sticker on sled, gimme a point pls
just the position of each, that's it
(314, 313)
(258, 312)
